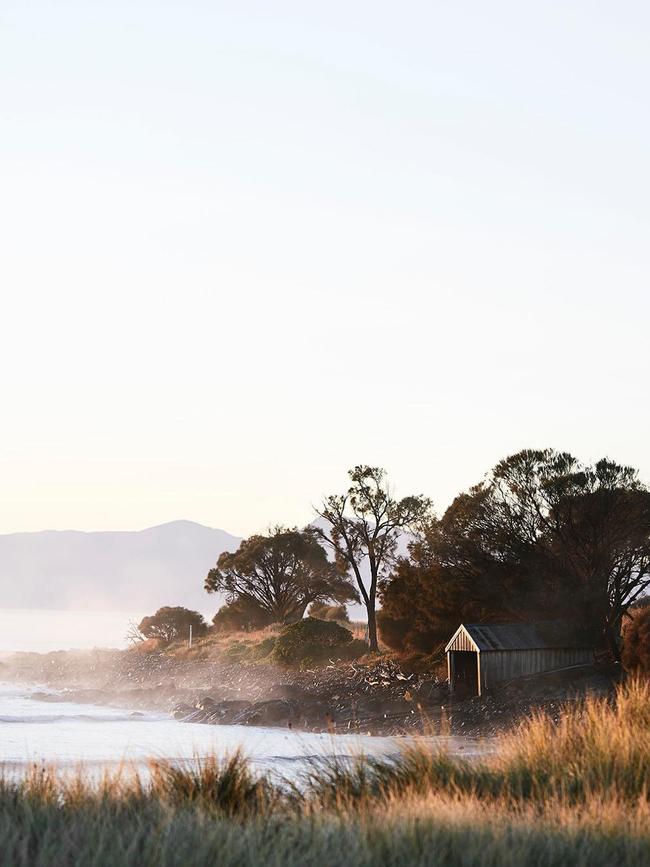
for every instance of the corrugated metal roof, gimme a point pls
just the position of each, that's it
(522, 636)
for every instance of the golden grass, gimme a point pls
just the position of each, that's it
(573, 792)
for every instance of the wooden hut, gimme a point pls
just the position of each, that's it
(481, 655)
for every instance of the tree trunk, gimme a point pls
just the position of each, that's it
(612, 635)
(295, 613)
(372, 627)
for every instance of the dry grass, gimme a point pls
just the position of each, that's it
(240, 646)
(555, 794)
(220, 645)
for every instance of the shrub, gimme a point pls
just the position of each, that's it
(636, 642)
(236, 652)
(263, 649)
(311, 641)
(323, 611)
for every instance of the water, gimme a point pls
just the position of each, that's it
(42, 631)
(69, 734)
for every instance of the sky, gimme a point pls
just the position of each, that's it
(246, 246)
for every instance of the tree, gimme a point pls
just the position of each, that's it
(240, 614)
(363, 526)
(580, 532)
(170, 624)
(543, 536)
(418, 613)
(282, 573)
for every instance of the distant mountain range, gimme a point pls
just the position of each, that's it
(112, 571)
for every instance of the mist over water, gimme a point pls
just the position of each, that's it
(68, 735)
(97, 737)
(42, 631)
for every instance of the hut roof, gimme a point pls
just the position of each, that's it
(520, 636)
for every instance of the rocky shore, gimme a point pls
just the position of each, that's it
(377, 697)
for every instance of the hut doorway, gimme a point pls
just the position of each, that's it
(464, 672)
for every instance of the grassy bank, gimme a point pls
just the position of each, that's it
(569, 793)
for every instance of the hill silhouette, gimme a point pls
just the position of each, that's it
(111, 570)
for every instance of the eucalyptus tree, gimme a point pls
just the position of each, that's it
(362, 527)
(281, 573)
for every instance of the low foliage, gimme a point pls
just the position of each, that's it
(636, 642)
(312, 641)
(249, 651)
(224, 786)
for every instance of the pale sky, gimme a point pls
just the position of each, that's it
(246, 245)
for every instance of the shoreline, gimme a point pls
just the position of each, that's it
(371, 698)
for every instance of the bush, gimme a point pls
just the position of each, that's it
(236, 652)
(170, 624)
(312, 641)
(636, 642)
(248, 651)
(323, 611)
(263, 649)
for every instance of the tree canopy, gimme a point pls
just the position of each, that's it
(542, 536)
(169, 624)
(363, 526)
(241, 614)
(281, 573)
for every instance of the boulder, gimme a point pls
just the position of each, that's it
(182, 711)
(267, 713)
(206, 703)
(225, 712)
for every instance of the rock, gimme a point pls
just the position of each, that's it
(206, 703)
(370, 706)
(225, 712)
(287, 691)
(263, 713)
(182, 711)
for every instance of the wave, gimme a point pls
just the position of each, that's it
(56, 718)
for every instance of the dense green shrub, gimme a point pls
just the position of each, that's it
(263, 649)
(311, 641)
(236, 652)
(248, 651)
